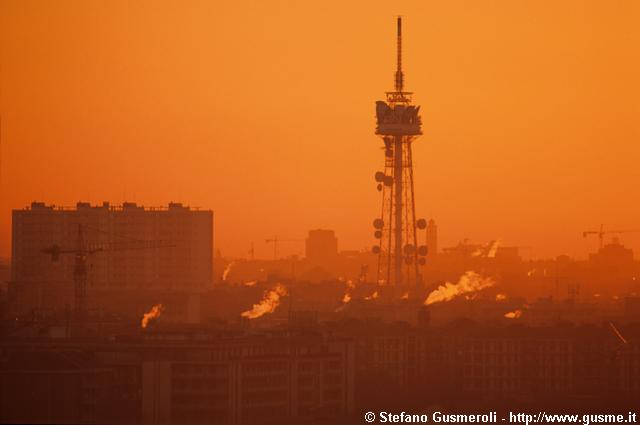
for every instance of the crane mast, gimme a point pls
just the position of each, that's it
(81, 253)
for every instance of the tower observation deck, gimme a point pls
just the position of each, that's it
(398, 123)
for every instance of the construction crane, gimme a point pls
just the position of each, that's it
(602, 232)
(275, 242)
(82, 251)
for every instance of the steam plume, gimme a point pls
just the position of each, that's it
(468, 283)
(372, 296)
(350, 286)
(153, 314)
(227, 270)
(269, 303)
(493, 249)
(513, 314)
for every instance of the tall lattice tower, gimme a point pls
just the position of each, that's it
(398, 124)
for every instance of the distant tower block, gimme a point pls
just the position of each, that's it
(321, 247)
(398, 124)
(432, 238)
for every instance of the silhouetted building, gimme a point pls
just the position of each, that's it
(632, 307)
(54, 386)
(321, 247)
(184, 264)
(432, 238)
(251, 380)
(613, 255)
(321, 373)
(5, 272)
(464, 250)
(178, 377)
(508, 254)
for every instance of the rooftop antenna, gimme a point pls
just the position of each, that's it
(399, 75)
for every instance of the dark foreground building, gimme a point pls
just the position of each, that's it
(324, 373)
(178, 378)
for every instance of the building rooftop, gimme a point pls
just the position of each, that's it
(125, 206)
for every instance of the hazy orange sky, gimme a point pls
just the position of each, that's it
(264, 112)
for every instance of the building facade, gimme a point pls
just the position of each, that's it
(321, 247)
(179, 378)
(135, 248)
(261, 380)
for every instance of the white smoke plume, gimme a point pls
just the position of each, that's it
(350, 286)
(516, 314)
(227, 270)
(372, 296)
(268, 304)
(468, 283)
(152, 314)
(493, 249)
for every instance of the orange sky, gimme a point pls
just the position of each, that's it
(264, 112)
